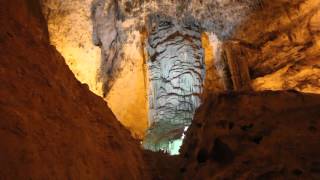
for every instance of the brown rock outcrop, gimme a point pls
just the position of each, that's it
(51, 125)
(265, 135)
(280, 40)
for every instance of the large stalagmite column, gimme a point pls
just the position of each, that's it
(176, 73)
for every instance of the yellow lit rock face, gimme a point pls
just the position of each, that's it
(128, 95)
(70, 31)
(300, 78)
(284, 48)
(213, 81)
(302, 72)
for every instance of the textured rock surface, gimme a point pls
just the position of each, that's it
(176, 73)
(110, 17)
(70, 29)
(231, 66)
(214, 79)
(51, 125)
(258, 44)
(163, 166)
(283, 48)
(122, 70)
(265, 135)
(106, 36)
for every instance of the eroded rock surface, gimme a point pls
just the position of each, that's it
(51, 125)
(256, 135)
(70, 30)
(250, 44)
(281, 44)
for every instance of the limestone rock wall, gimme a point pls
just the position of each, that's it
(256, 135)
(82, 32)
(214, 79)
(70, 30)
(124, 76)
(245, 46)
(282, 48)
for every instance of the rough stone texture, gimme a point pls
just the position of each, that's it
(254, 135)
(219, 16)
(232, 67)
(291, 31)
(258, 44)
(51, 125)
(176, 73)
(237, 67)
(74, 35)
(110, 33)
(105, 35)
(163, 166)
(70, 29)
(282, 48)
(119, 29)
(214, 79)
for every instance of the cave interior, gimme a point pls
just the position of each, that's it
(171, 89)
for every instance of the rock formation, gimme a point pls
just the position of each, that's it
(176, 73)
(265, 135)
(282, 49)
(237, 53)
(156, 64)
(70, 30)
(120, 28)
(51, 125)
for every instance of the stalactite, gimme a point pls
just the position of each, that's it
(104, 16)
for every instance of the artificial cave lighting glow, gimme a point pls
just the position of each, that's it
(174, 146)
